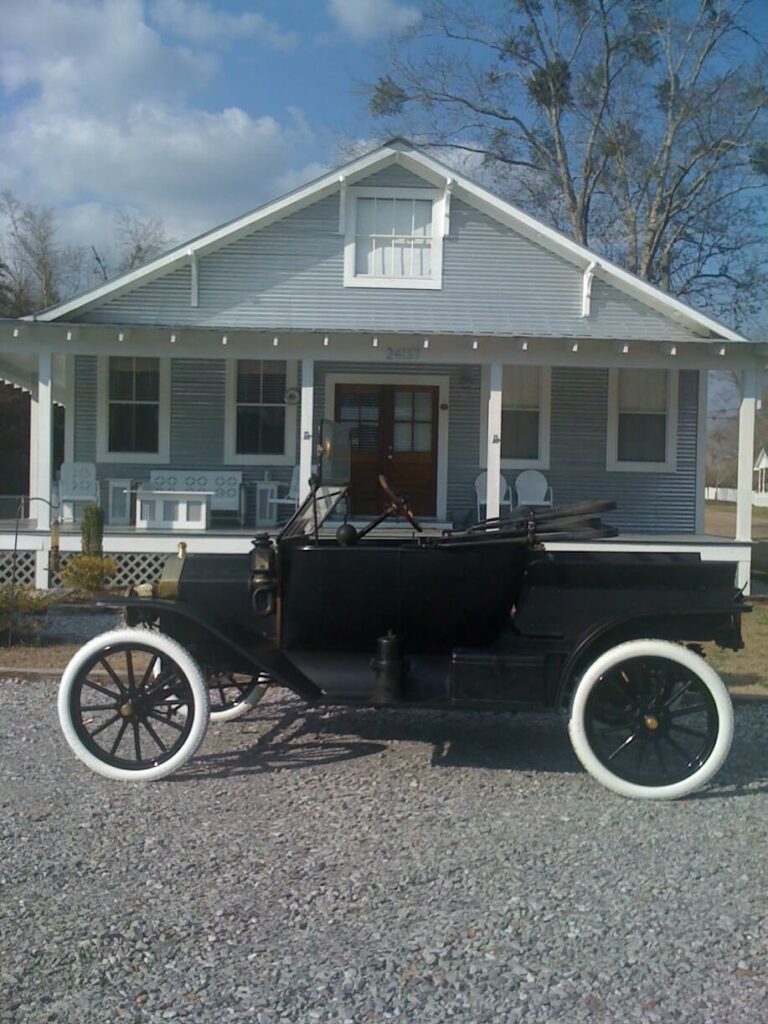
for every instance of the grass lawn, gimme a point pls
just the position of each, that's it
(748, 668)
(720, 520)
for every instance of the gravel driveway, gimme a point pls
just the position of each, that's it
(367, 867)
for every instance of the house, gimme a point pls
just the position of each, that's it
(761, 469)
(451, 331)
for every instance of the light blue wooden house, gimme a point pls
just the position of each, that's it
(456, 335)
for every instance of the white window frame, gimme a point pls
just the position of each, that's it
(545, 419)
(438, 198)
(163, 453)
(231, 455)
(612, 462)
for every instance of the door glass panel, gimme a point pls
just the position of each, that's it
(422, 437)
(402, 437)
(403, 405)
(422, 406)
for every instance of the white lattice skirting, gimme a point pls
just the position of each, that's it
(132, 567)
(25, 568)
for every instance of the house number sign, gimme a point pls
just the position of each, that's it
(403, 355)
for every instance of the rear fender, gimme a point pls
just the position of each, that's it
(622, 628)
(253, 648)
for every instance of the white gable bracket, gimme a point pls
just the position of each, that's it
(447, 193)
(193, 282)
(586, 288)
(342, 205)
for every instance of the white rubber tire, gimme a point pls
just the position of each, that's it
(164, 645)
(237, 710)
(658, 649)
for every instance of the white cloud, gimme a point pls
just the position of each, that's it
(365, 20)
(199, 23)
(100, 117)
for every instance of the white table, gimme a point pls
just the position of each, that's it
(173, 510)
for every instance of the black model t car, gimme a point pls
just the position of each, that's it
(483, 618)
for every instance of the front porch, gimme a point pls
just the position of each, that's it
(445, 408)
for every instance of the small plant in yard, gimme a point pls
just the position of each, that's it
(92, 531)
(26, 605)
(90, 571)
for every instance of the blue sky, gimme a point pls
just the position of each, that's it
(187, 110)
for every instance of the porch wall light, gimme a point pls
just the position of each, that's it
(275, 342)
(375, 342)
(426, 343)
(475, 344)
(326, 341)
(224, 339)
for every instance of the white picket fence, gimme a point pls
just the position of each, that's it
(759, 498)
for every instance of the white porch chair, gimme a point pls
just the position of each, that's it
(290, 498)
(532, 489)
(77, 483)
(481, 492)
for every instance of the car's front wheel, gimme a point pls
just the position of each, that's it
(651, 719)
(133, 704)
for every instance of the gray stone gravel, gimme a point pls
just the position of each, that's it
(366, 867)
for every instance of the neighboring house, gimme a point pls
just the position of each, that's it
(451, 331)
(761, 469)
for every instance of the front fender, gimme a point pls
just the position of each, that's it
(254, 648)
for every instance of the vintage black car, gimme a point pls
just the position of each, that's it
(482, 618)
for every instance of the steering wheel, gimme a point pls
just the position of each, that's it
(399, 506)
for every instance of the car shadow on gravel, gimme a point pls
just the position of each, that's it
(283, 735)
(281, 744)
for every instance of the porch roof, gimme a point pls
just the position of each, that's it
(21, 342)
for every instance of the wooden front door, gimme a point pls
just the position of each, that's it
(393, 432)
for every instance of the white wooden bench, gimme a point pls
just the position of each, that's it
(225, 487)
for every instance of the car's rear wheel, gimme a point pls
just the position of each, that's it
(133, 704)
(651, 719)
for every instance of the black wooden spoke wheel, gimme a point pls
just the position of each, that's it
(651, 719)
(133, 704)
(232, 695)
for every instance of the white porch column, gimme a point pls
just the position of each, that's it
(307, 441)
(42, 486)
(492, 498)
(750, 389)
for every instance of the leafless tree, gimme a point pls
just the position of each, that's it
(637, 126)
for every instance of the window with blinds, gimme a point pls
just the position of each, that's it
(521, 412)
(393, 238)
(642, 416)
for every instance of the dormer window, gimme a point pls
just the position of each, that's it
(394, 237)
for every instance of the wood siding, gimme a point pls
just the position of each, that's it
(289, 276)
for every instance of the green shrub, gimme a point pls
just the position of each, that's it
(92, 531)
(88, 573)
(26, 604)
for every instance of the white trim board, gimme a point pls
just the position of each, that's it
(427, 380)
(404, 153)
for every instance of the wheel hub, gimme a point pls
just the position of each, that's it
(126, 710)
(651, 722)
